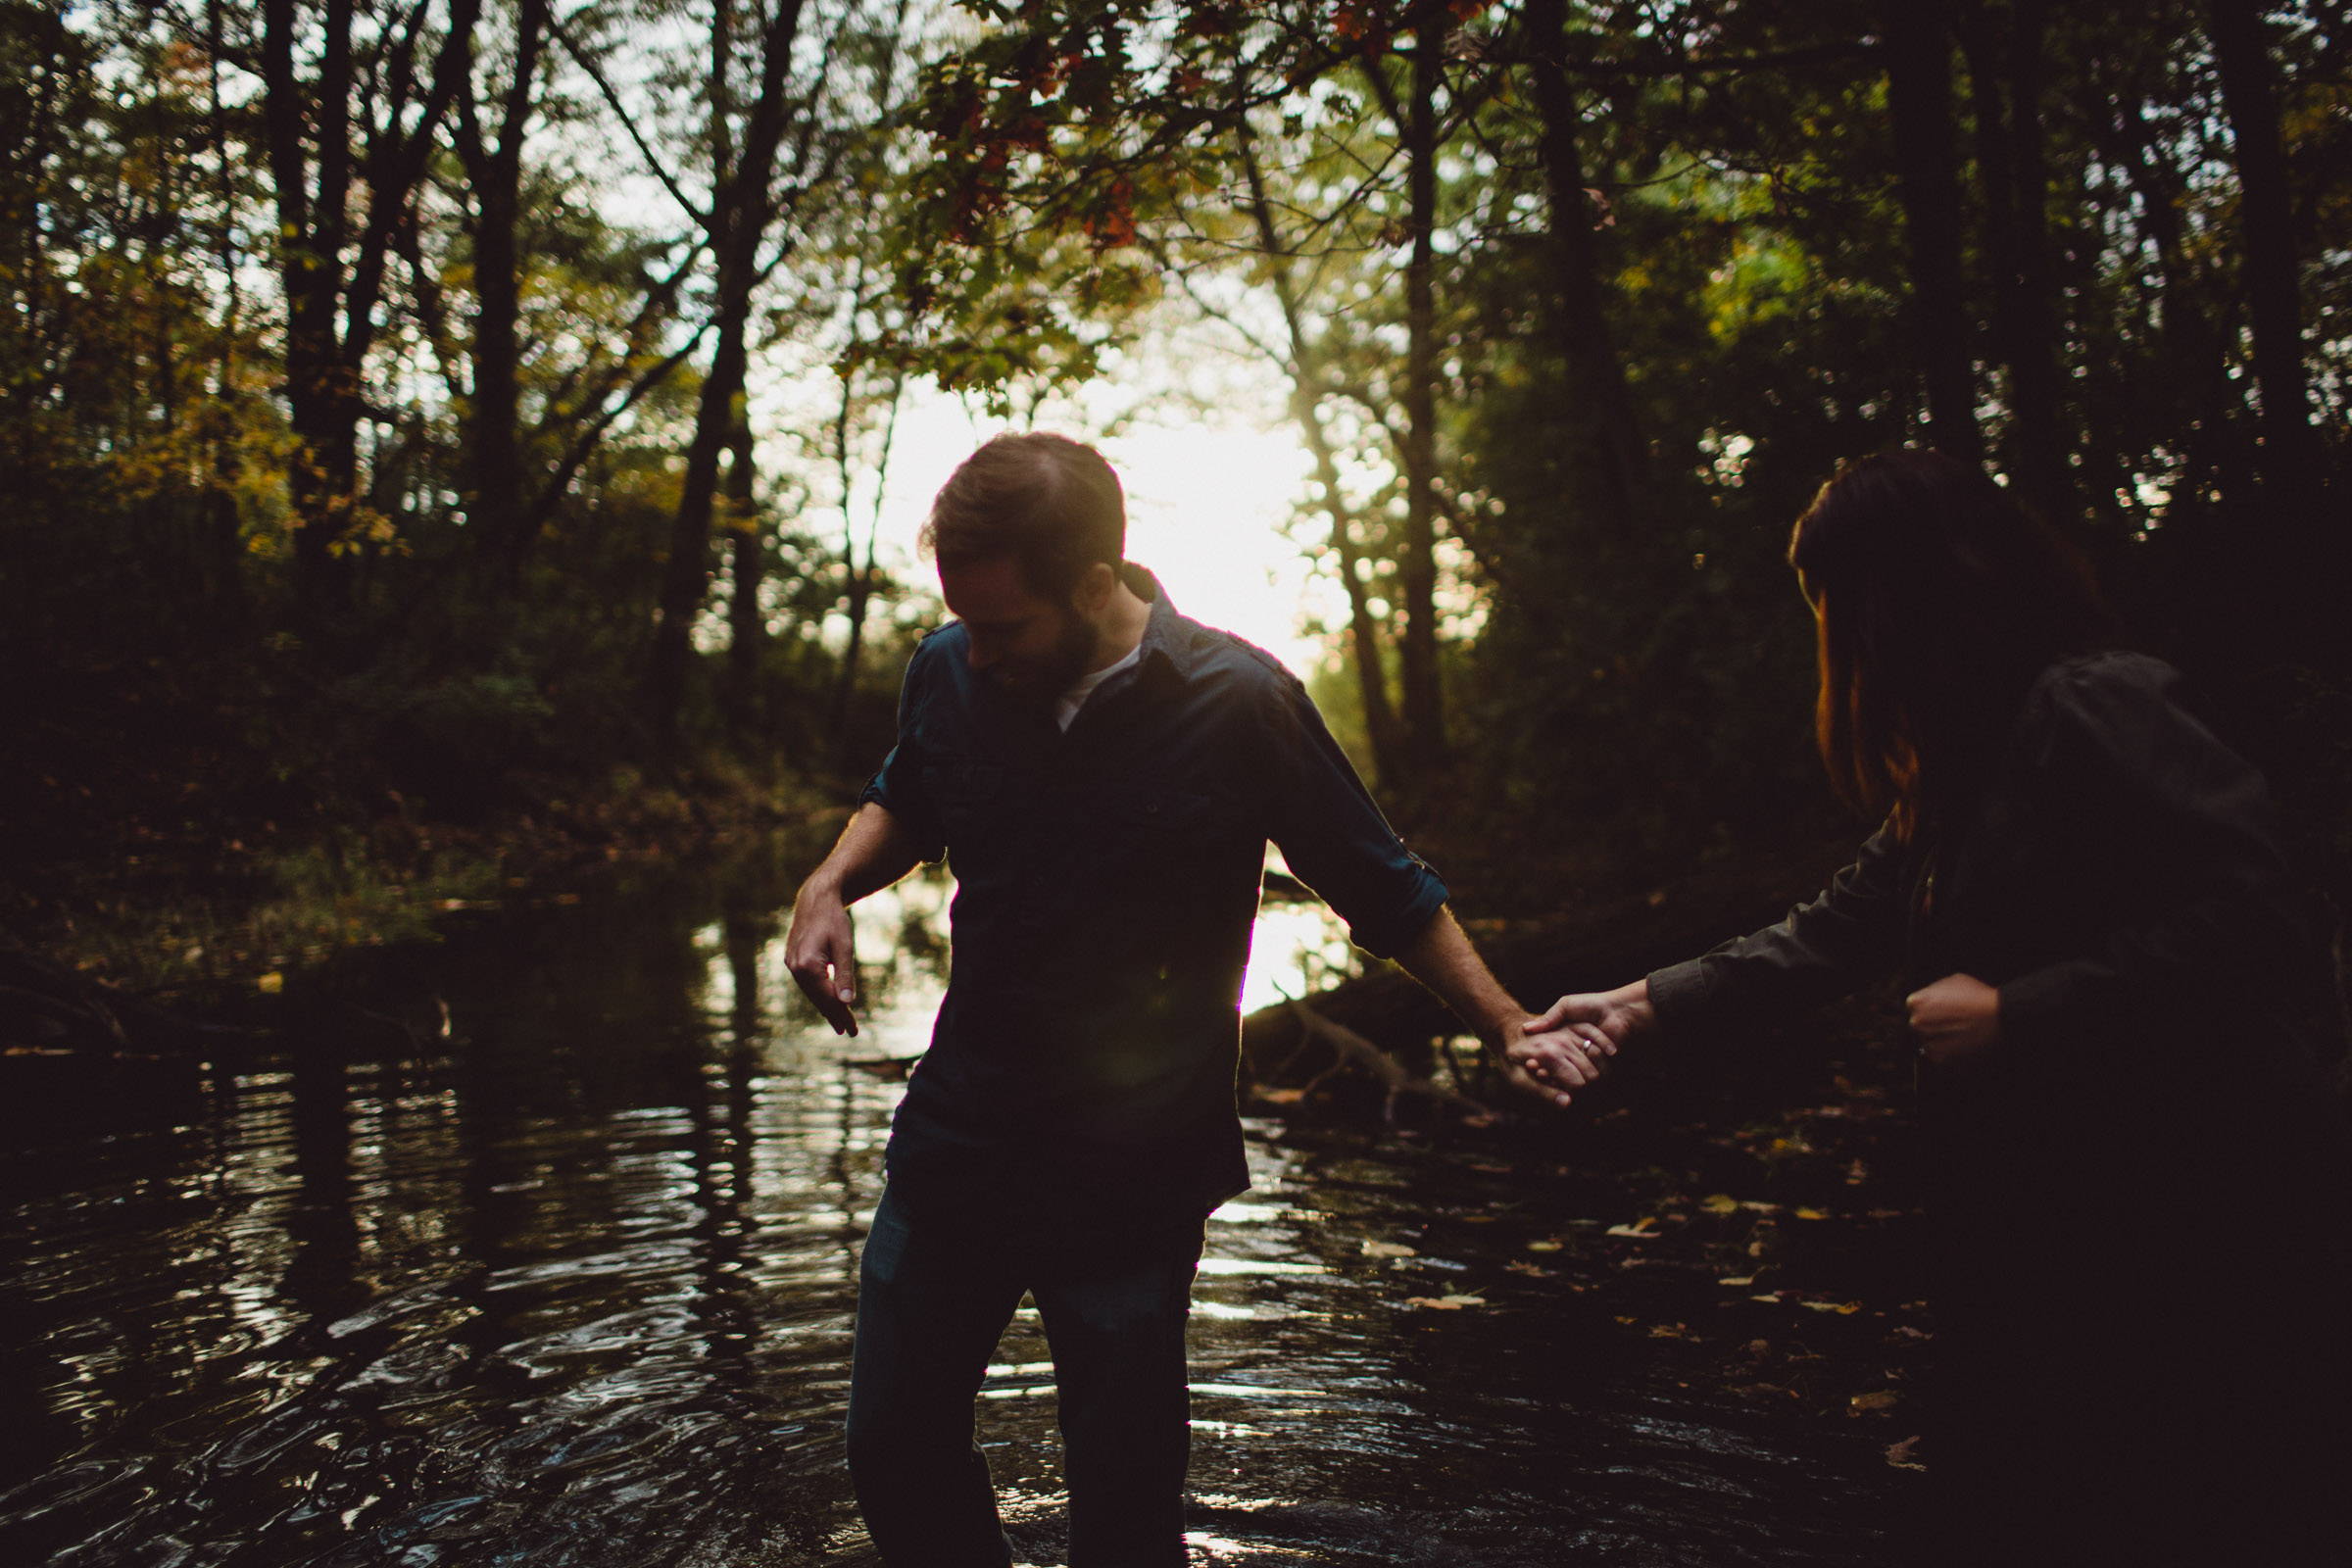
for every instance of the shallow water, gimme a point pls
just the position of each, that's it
(574, 1285)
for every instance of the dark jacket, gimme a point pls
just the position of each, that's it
(2117, 875)
(1081, 1073)
(2141, 1192)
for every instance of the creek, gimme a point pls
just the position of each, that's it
(571, 1280)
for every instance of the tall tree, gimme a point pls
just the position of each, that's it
(328, 130)
(1919, 93)
(743, 206)
(1608, 461)
(495, 500)
(1417, 566)
(2266, 223)
(1308, 378)
(2006, 66)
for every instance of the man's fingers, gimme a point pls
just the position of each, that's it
(1562, 1061)
(818, 986)
(1526, 1079)
(827, 974)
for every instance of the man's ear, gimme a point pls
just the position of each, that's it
(1092, 594)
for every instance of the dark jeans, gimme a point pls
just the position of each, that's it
(932, 1300)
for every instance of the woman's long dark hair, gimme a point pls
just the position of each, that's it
(1937, 599)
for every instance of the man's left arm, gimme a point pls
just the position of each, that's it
(1441, 958)
(1336, 841)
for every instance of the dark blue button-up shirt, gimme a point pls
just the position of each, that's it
(1081, 1072)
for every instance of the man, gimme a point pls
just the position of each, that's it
(1104, 775)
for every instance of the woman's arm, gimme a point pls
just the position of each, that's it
(1849, 936)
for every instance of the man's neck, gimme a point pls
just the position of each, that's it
(1121, 629)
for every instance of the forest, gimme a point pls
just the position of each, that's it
(446, 608)
(392, 437)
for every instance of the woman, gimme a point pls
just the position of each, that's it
(2138, 1173)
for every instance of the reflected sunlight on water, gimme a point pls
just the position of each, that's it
(579, 1289)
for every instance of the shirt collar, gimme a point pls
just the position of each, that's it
(1164, 634)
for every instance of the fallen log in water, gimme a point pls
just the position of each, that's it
(1351, 1050)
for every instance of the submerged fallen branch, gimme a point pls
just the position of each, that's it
(1351, 1050)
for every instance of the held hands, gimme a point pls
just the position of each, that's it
(1957, 1017)
(1568, 1046)
(822, 956)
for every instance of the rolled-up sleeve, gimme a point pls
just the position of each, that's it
(1333, 835)
(897, 785)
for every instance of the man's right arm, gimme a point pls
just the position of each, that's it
(874, 851)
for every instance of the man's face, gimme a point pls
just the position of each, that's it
(1031, 646)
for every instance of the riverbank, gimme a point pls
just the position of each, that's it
(179, 905)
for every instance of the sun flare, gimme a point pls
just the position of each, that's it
(1206, 509)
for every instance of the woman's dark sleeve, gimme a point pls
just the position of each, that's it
(2176, 813)
(1845, 939)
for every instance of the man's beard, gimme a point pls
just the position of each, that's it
(1040, 681)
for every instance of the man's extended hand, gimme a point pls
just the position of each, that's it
(822, 952)
(1568, 1046)
(1552, 1063)
(1956, 1017)
(1441, 958)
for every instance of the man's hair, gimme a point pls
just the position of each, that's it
(1938, 600)
(1050, 503)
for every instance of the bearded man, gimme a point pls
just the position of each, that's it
(1104, 776)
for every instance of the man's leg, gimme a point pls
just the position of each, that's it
(929, 1313)
(1119, 1378)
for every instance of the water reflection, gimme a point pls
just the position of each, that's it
(575, 1285)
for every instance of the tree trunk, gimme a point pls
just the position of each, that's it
(2266, 220)
(1919, 94)
(858, 579)
(1606, 463)
(2187, 334)
(320, 409)
(1306, 379)
(2034, 385)
(323, 360)
(747, 627)
(496, 506)
(1363, 631)
(1417, 563)
(2004, 93)
(739, 212)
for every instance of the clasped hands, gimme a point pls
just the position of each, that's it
(1568, 1046)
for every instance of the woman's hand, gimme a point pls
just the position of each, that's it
(1568, 1046)
(1957, 1017)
